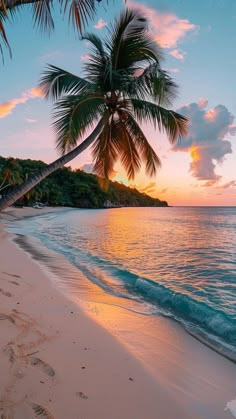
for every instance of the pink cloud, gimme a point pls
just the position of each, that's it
(51, 55)
(211, 115)
(178, 54)
(227, 185)
(150, 188)
(215, 183)
(211, 182)
(164, 190)
(167, 28)
(85, 57)
(207, 139)
(100, 24)
(31, 121)
(203, 102)
(173, 70)
(34, 92)
(6, 108)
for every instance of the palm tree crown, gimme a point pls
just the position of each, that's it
(124, 86)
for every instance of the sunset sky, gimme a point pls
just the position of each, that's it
(198, 38)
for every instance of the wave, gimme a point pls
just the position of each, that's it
(203, 321)
(207, 323)
(210, 325)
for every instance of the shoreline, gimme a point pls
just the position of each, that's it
(107, 379)
(55, 357)
(218, 347)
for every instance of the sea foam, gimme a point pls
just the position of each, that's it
(231, 407)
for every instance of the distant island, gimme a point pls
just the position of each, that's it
(73, 188)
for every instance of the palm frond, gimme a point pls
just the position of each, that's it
(129, 157)
(56, 82)
(42, 15)
(73, 115)
(105, 150)
(3, 19)
(147, 153)
(129, 42)
(150, 83)
(174, 124)
(164, 89)
(115, 143)
(98, 68)
(3, 6)
(80, 11)
(95, 41)
(98, 71)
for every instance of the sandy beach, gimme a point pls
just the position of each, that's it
(59, 360)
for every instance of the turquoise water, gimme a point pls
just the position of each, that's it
(178, 262)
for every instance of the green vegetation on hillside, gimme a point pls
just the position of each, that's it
(67, 187)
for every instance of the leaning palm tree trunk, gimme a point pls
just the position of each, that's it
(21, 190)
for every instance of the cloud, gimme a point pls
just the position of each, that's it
(168, 29)
(211, 182)
(100, 24)
(150, 188)
(6, 108)
(178, 54)
(227, 185)
(173, 70)
(164, 190)
(31, 121)
(203, 102)
(34, 92)
(51, 55)
(215, 183)
(88, 167)
(85, 57)
(206, 141)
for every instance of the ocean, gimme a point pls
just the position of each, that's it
(178, 262)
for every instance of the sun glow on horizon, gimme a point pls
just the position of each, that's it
(121, 179)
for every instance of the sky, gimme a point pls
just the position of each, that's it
(198, 40)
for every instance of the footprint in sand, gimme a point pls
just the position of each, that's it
(3, 416)
(47, 369)
(7, 294)
(24, 410)
(41, 411)
(13, 275)
(14, 282)
(11, 353)
(81, 394)
(6, 317)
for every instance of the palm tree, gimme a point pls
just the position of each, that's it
(124, 86)
(78, 11)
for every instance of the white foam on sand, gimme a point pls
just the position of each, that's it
(231, 406)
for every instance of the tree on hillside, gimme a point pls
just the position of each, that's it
(10, 173)
(124, 86)
(78, 12)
